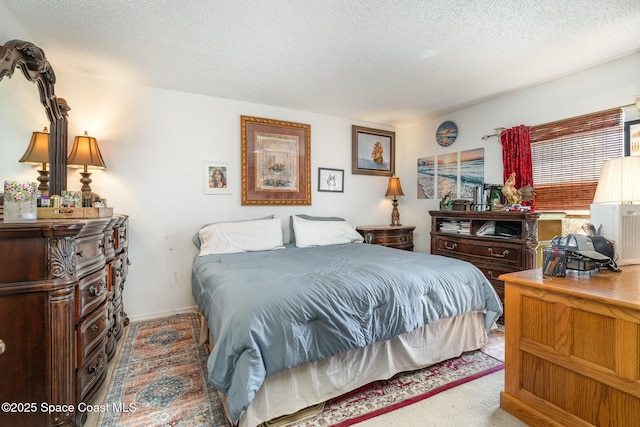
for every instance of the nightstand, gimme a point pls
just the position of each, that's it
(400, 237)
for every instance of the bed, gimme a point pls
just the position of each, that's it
(297, 324)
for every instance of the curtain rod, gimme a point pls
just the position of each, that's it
(498, 131)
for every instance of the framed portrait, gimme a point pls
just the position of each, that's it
(216, 177)
(276, 162)
(331, 180)
(632, 138)
(373, 151)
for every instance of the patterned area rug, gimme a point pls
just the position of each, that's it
(161, 376)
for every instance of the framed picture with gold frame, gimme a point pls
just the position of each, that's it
(276, 162)
(373, 151)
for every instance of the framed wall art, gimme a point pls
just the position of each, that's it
(276, 162)
(331, 180)
(632, 138)
(373, 151)
(216, 177)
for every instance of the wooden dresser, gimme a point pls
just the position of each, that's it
(60, 314)
(398, 237)
(572, 348)
(511, 246)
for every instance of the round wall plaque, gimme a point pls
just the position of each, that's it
(447, 133)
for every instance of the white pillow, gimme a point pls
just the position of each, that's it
(245, 236)
(323, 233)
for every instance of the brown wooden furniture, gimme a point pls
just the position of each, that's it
(573, 348)
(511, 247)
(60, 302)
(400, 237)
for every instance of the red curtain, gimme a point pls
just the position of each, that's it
(516, 156)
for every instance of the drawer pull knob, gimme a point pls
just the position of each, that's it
(452, 247)
(98, 367)
(3, 347)
(94, 291)
(94, 327)
(502, 255)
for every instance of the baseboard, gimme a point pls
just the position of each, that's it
(160, 314)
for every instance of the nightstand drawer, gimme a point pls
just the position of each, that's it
(393, 237)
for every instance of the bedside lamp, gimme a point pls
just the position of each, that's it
(616, 207)
(619, 182)
(394, 189)
(85, 152)
(38, 153)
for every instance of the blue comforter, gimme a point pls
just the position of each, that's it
(274, 310)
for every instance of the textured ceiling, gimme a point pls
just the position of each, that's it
(383, 61)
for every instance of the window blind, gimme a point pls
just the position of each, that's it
(568, 156)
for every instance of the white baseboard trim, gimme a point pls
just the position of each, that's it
(160, 314)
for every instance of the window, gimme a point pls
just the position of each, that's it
(568, 156)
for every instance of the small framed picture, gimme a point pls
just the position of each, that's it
(331, 180)
(632, 138)
(216, 177)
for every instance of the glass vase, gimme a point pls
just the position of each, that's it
(20, 201)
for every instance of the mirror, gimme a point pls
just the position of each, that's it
(31, 60)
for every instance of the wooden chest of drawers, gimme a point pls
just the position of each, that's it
(57, 313)
(495, 242)
(400, 237)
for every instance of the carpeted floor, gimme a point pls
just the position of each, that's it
(159, 377)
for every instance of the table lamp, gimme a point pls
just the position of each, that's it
(616, 207)
(38, 153)
(394, 189)
(85, 152)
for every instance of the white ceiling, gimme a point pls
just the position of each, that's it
(382, 61)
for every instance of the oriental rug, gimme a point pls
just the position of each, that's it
(160, 378)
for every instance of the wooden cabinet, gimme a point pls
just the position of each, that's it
(572, 348)
(495, 242)
(56, 315)
(400, 237)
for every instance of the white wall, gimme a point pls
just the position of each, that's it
(607, 86)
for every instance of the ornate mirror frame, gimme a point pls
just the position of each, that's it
(34, 65)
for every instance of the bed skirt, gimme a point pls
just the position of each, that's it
(293, 390)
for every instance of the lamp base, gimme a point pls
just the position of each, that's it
(395, 214)
(86, 189)
(43, 179)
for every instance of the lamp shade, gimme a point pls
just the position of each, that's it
(38, 150)
(85, 152)
(394, 189)
(619, 181)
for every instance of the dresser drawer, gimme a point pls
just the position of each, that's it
(92, 330)
(504, 253)
(89, 254)
(92, 373)
(93, 291)
(492, 272)
(109, 243)
(122, 236)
